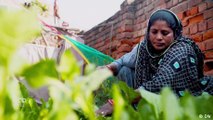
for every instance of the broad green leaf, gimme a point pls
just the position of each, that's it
(89, 69)
(68, 67)
(203, 106)
(83, 87)
(13, 92)
(170, 105)
(119, 112)
(94, 80)
(146, 110)
(8, 106)
(132, 112)
(187, 104)
(40, 73)
(61, 108)
(89, 83)
(24, 91)
(129, 93)
(47, 105)
(153, 99)
(16, 28)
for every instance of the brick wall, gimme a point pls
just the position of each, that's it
(118, 34)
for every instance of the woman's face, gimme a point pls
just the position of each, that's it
(160, 35)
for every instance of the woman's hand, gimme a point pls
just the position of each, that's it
(111, 67)
(105, 110)
(101, 67)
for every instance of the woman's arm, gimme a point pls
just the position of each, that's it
(126, 60)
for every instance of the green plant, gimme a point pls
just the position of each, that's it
(74, 96)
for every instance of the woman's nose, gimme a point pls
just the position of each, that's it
(159, 36)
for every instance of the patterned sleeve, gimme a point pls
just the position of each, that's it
(178, 70)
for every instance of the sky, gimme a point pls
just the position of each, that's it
(85, 14)
(81, 14)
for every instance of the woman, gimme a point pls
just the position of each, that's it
(164, 58)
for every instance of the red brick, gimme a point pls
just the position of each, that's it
(175, 2)
(194, 2)
(144, 4)
(137, 26)
(185, 30)
(107, 41)
(202, 7)
(202, 26)
(124, 48)
(169, 4)
(210, 24)
(144, 24)
(139, 13)
(131, 28)
(141, 32)
(99, 44)
(193, 29)
(140, 19)
(128, 42)
(114, 54)
(128, 22)
(208, 13)
(114, 44)
(136, 40)
(124, 35)
(142, 38)
(149, 7)
(197, 37)
(120, 55)
(103, 48)
(158, 2)
(181, 15)
(192, 11)
(125, 28)
(163, 6)
(208, 35)
(209, 44)
(185, 22)
(148, 2)
(128, 15)
(195, 19)
(208, 54)
(180, 7)
(201, 45)
(107, 52)
(138, 6)
(135, 35)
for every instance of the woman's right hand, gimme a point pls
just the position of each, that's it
(101, 67)
(111, 67)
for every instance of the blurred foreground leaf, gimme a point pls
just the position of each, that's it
(68, 67)
(40, 73)
(16, 28)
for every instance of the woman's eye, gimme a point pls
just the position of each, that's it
(154, 32)
(165, 33)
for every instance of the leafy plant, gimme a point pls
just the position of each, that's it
(16, 28)
(73, 96)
